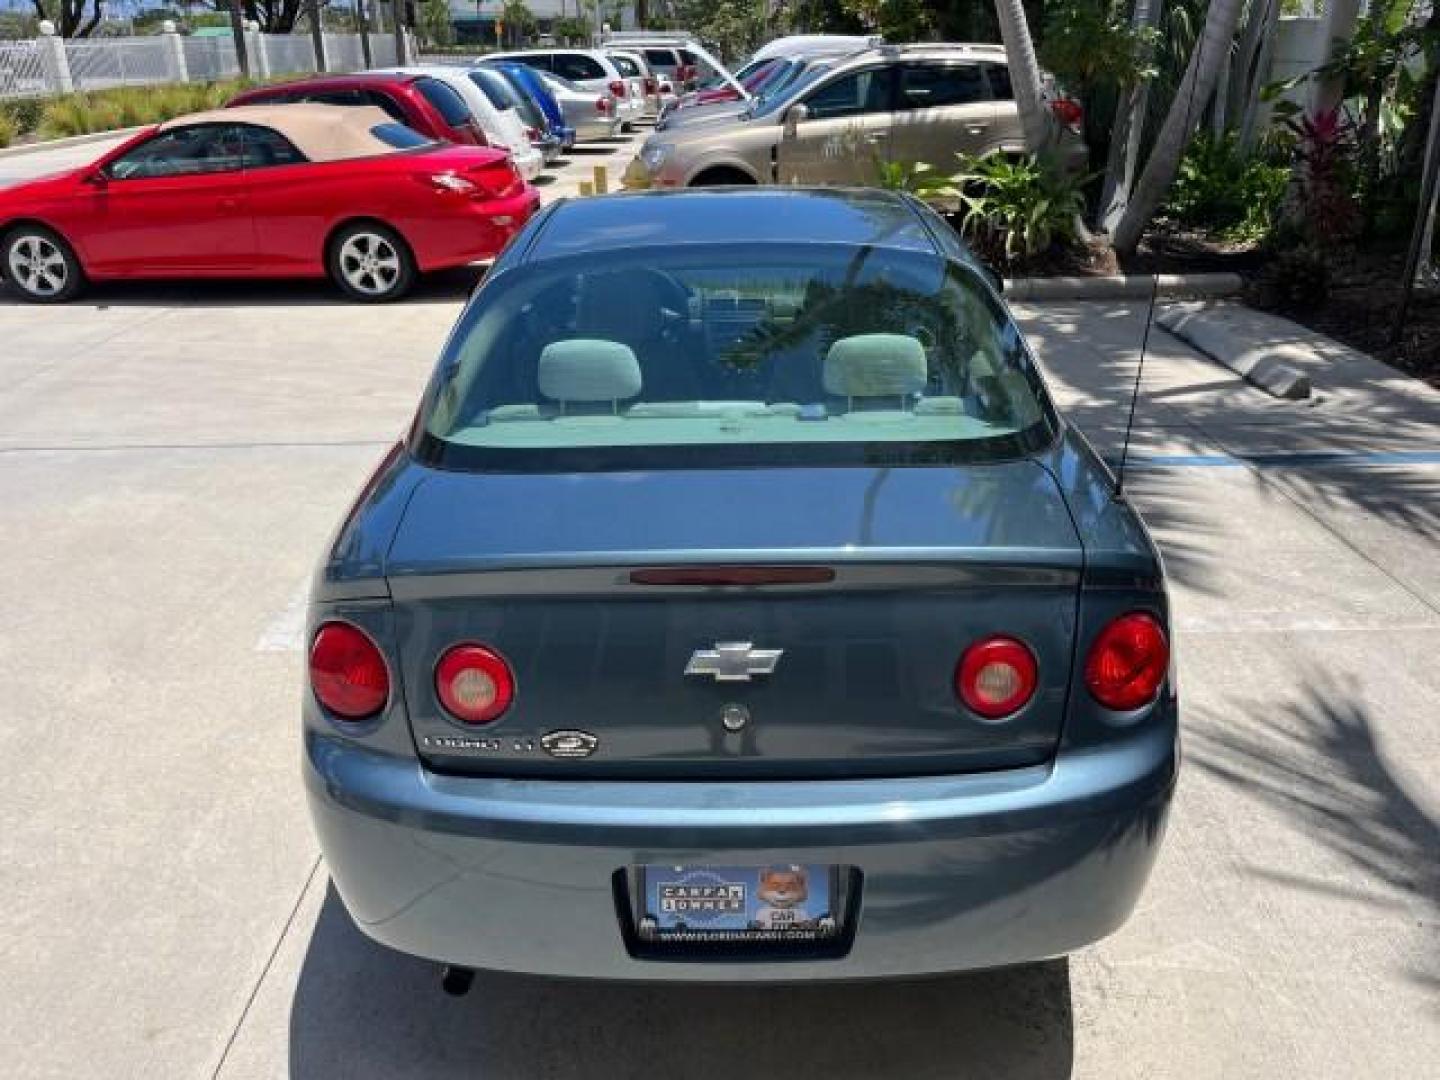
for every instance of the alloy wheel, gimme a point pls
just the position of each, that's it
(38, 266)
(370, 264)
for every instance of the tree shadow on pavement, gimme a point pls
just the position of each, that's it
(361, 1010)
(1316, 759)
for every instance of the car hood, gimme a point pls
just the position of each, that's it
(703, 114)
(39, 189)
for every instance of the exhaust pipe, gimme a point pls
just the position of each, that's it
(456, 981)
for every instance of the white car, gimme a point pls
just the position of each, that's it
(589, 68)
(642, 80)
(592, 114)
(503, 127)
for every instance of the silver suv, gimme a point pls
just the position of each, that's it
(892, 103)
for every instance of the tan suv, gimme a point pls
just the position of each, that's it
(895, 103)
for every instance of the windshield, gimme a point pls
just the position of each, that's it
(767, 103)
(724, 354)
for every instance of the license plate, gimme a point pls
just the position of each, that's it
(738, 903)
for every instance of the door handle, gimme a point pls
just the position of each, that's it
(877, 136)
(976, 129)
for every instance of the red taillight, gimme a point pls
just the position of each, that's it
(347, 672)
(497, 180)
(652, 86)
(1128, 662)
(618, 88)
(474, 684)
(533, 134)
(1068, 112)
(996, 677)
(602, 104)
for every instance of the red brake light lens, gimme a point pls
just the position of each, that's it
(996, 677)
(651, 86)
(1128, 662)
(1068, 112)
(347, 672)
(474, 684)
(618, 88)
(603, 104)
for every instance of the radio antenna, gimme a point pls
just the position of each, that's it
(1119, 491)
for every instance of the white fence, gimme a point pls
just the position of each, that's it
(53, 65)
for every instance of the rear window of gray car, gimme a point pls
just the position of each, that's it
(727, 354)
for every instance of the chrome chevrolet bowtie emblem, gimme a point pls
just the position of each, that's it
(733, 661)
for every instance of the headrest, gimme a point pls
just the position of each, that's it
(875, 365)
(589, 369)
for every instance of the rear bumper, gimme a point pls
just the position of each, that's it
(958, 872)
(479, 232)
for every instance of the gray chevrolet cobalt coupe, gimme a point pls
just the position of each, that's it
(739, 607)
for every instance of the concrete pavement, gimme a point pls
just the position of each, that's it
(171, 462)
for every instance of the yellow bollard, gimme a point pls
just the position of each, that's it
(586, 188)
(602, 179)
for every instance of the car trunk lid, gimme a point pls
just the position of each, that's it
(640, 611)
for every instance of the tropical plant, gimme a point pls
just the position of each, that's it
(919, 178)
(1017, 208)
(897, 20)
(571, 29)
(1226, 191)
(1325, 213)
(519, 20)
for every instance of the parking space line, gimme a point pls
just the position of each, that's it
(286, 631)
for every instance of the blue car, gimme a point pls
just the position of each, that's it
(739, 607)
(528, 82)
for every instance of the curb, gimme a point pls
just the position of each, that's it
(72, 140)
(1122, 286)
(1262, 365)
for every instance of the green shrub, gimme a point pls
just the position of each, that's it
(9, 128)
(26, 112)
(1226, 192)
(1017, 208)
(131, 106)
(917, 177)
(1295, 279)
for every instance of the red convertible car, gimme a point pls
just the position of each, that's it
(265, 191)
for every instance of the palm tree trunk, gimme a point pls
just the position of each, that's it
(1259, 71)
(1024, 72)
(1328, 91)
(1129, 130)
(1195, 89)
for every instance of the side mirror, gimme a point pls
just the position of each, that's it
(96, 178)
(794, 117)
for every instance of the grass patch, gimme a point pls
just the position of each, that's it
(123, 107)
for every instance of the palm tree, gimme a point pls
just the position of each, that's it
(1206, 63)
(1129, 129)
(1024, 71)
(1327, 91)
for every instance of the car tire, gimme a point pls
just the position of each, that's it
(371, 262)
(40, 266)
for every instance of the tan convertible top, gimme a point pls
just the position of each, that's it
(320, 132)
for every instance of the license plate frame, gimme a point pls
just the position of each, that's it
(776, 907)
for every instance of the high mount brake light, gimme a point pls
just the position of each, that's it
(348, 672)
(996, 677)
(1128, 662)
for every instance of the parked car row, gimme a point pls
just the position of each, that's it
(369, 178)
(811, 115)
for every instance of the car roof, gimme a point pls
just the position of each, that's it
(357, 79)
(320, 132)
(790, 215)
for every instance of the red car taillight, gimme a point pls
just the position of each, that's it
(474, 684)
(603, 104)
(347, 672)
(1069, 112)
(1128, 662)
(618, 88)
(652, 85)
(996, 677)
(498, 180)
